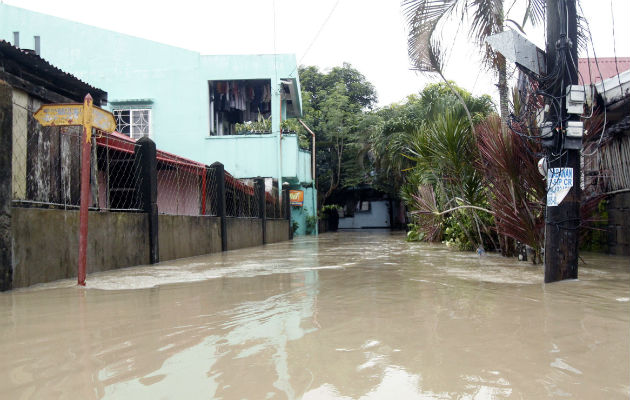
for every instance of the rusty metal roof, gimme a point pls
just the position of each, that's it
(29, 67)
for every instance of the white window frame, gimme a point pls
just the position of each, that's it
(134, 132)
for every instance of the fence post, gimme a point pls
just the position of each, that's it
(146, 165)
(6, 175)
(219, 198)
(286, 202)
(259, 187)
(204, 190)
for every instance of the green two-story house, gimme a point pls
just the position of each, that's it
(197, 106)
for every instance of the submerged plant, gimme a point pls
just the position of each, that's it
(295, 226)
(449, 185)
(311, 222)
(517, 190)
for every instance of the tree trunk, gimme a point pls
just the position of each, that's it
(503, 91)
(502, 70)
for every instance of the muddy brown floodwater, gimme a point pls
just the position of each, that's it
(359, 315)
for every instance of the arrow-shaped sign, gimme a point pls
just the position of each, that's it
(517, 49)
(74, 114)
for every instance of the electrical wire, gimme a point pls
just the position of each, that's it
(275, 52)
(590, 36)
(612, 17)
(319, 31)
(544, 86)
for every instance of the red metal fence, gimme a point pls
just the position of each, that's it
(46, 173)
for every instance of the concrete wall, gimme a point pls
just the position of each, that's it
(45, 243)
(183, 236)
(6, 144)
(619, 224)
(243, 232)
(276, 230)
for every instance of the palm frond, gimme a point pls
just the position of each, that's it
(535, 12)
(426, 213)
(487, 19)
(423, 17)
(509, 165)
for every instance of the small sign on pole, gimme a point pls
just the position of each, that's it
(89, 117)
(559, 182)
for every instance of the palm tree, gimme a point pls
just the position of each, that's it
(426, 147)
(488, 17)
(445, 156)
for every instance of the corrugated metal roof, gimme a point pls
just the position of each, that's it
(29, 66)
(593, 70)
(614, 89)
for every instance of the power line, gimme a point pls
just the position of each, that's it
(275, 52)
(612, 17)
(321, 28)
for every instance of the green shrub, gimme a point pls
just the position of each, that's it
(415, 234)
(311, 222)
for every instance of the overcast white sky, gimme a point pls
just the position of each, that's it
(369, 34)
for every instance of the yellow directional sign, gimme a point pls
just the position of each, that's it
(103, 120)
(75, 114)
(60, 114)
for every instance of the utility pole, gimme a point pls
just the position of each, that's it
(563, 143)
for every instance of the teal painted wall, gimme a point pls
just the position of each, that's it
(304, 167)
(290, 157)
(244, 156)
(249, 155)
(299, 214)
(124, 66)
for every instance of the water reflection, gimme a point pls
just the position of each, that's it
(348, 316)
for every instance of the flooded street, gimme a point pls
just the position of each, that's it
(354, 315)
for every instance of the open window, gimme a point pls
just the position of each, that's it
(240, 106)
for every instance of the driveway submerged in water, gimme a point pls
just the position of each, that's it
(344, 316)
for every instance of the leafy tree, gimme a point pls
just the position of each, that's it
(400, 123)
(334, 103)
(427, 146)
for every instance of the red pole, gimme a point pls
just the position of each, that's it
(86, 151)
(83, 213)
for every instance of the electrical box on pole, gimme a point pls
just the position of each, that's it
(566, 103)
(561, 130)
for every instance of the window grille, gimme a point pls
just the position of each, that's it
(134, 123)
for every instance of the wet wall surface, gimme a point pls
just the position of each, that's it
(350, 315)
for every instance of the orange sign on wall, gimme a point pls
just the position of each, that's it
(296, 197)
